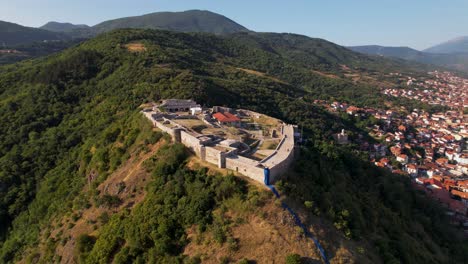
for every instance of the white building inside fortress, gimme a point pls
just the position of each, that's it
(258, 146)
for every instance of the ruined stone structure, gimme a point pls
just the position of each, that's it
(274, 165)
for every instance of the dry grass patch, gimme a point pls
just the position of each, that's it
(190, 123)
(257, 73)
(261, 74)
(267, 121)
(261, 234)
(270, 144)
(135, 47)
(329, 75)
(127, 183)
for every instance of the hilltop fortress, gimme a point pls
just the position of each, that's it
(252, 144)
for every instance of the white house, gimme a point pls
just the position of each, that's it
(402, 158)
(412, 170)
(196, 110)
(461, 158)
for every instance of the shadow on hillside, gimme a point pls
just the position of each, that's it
(307, 260)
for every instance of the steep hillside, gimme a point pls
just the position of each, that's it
(457, 45)
(62, 27)
(228, 220)
(71, 125)
(187, 21)
(319, 53)
(13, 34)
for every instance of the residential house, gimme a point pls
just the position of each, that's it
(227, 118)
(402, 158)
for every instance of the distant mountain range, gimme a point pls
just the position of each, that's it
(456, 61)
(187, 21)
(399, 52)
(457, 45)
(449, 54)
(27, 39)
(62, 27)
(13, 34)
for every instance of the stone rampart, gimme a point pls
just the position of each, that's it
(191, 142)
(164, 128)
(281, 168)
(245, 167)
(278, 162)
(212, 155)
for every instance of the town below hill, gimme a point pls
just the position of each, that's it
(430, 148)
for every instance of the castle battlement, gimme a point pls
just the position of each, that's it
(239, 140)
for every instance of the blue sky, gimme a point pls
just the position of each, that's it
(414, 23)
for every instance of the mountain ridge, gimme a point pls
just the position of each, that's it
(185, 21)
(62, 26)
(69, 34)
(14, 34)
(453, 46)
(398, 51)
(454, 61)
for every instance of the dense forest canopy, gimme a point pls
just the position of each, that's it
(76, 112)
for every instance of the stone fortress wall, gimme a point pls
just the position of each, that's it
(278, 162)
(191, 142)
(245, 166)
(212, 155)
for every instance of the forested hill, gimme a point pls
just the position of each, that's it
(34, 42)
(315, 53)
(62, 27)
(74, 117)
(187, 21)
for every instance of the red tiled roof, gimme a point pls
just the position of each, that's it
(463, 195)
(226, 117)
(353, 109)
(432, 181)
(449, 137)
(463, 183)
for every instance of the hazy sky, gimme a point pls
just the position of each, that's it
(414, 23)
